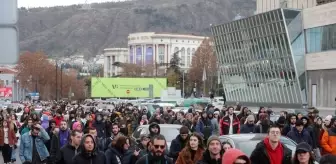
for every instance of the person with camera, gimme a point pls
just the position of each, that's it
(32, 148)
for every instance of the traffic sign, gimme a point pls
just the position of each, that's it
(128, 91)
(9, 40)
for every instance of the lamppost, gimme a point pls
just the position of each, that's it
(17, 90)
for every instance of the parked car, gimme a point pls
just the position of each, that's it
(248, 142)
(169, 131)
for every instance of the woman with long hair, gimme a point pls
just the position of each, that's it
(303, 154)
(7, 140)
(193, 150)
(117, 151)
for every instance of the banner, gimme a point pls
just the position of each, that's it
(149, 55)
(131, 55)
(6, 92)
(138, 55)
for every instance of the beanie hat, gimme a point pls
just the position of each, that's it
(281, 120)
(212, 138)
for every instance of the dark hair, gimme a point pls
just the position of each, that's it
(115, 124)
(74, 132)
(158, 137)
(200, 140)
(227, 143)
(273, 126)
(328, 159)
(119, 142)
(311, 158)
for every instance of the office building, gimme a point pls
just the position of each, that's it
(148, 48)
(112, 55)
(283, 57)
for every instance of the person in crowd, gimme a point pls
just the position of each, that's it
(248, 126)
(195, 120)
(179, 143)
(7, 140)
(281, 122)
(328, 159)
(154, 129)
(156, 118)
(214, 122)
(157, 154)
(115, 133)
(317, 130)
(54, 146)
(292, 120)
(299, 116)
(27, 126)
(193, 150)
(243, 115)
(303, 154)
(144, 120)
(328, 141)
(35, 117)
(235, 156)
(68, 151)
(64, 133)
(230, 124)
(271, 150)
(117, 150)
(263, 124)
(45, 121)
(77, 125)
(32, 148)
(204, 126)
(99, 124)
(143, 145)
(213, 153)
(299, 134)
(179, 118)
(226, 145)
(313, 113)
(58, 118)
(88, 153)
(261, 110)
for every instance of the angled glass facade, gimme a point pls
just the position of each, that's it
(262, 59)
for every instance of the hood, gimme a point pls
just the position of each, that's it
(232, 154)
(82, 149)
(153, 125)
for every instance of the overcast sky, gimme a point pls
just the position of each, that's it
(49, 3)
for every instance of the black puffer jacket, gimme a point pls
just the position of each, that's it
(207, 159)
(260, 155)
(95, 157)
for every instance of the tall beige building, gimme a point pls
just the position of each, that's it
(267, 5)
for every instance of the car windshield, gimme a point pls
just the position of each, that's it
(248, 146)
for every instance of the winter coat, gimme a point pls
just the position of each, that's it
(205, 128)
(176, 147)
(225, 125)
(96, 157)
(206, 159)
(247, 128)
(300, 137)
(184, 156)
(114, 156)
(260, 156)
(66, 154)
(12, 140)
(328, 141)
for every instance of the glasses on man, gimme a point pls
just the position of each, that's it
(275, 132)
(159, 146)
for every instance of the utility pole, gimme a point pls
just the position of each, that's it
(183, 84)
(61, 81)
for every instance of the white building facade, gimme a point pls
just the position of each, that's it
(112, 55)
(150, 48)
(268, 5)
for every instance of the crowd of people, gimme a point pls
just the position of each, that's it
(67, 133)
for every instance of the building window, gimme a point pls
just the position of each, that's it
(193, 51)
(161, 53)
(321, 38)
(188, 57)
(183, 57)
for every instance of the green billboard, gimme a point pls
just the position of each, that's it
(127, 87)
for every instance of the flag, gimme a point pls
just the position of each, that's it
(204, 75)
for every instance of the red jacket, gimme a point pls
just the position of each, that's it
(11, 137)
(58, 120)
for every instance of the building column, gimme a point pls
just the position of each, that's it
(144, 54)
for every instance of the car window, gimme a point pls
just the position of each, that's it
(247, 146)
(137, 132)
(170, 133)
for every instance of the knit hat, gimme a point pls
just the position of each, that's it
(212, 138)
(281, 120)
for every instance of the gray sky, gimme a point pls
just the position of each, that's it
(49, 3)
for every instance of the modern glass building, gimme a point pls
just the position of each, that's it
(262, 59)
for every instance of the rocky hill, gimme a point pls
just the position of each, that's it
(70, 30)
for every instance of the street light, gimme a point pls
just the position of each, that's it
(17, 90)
